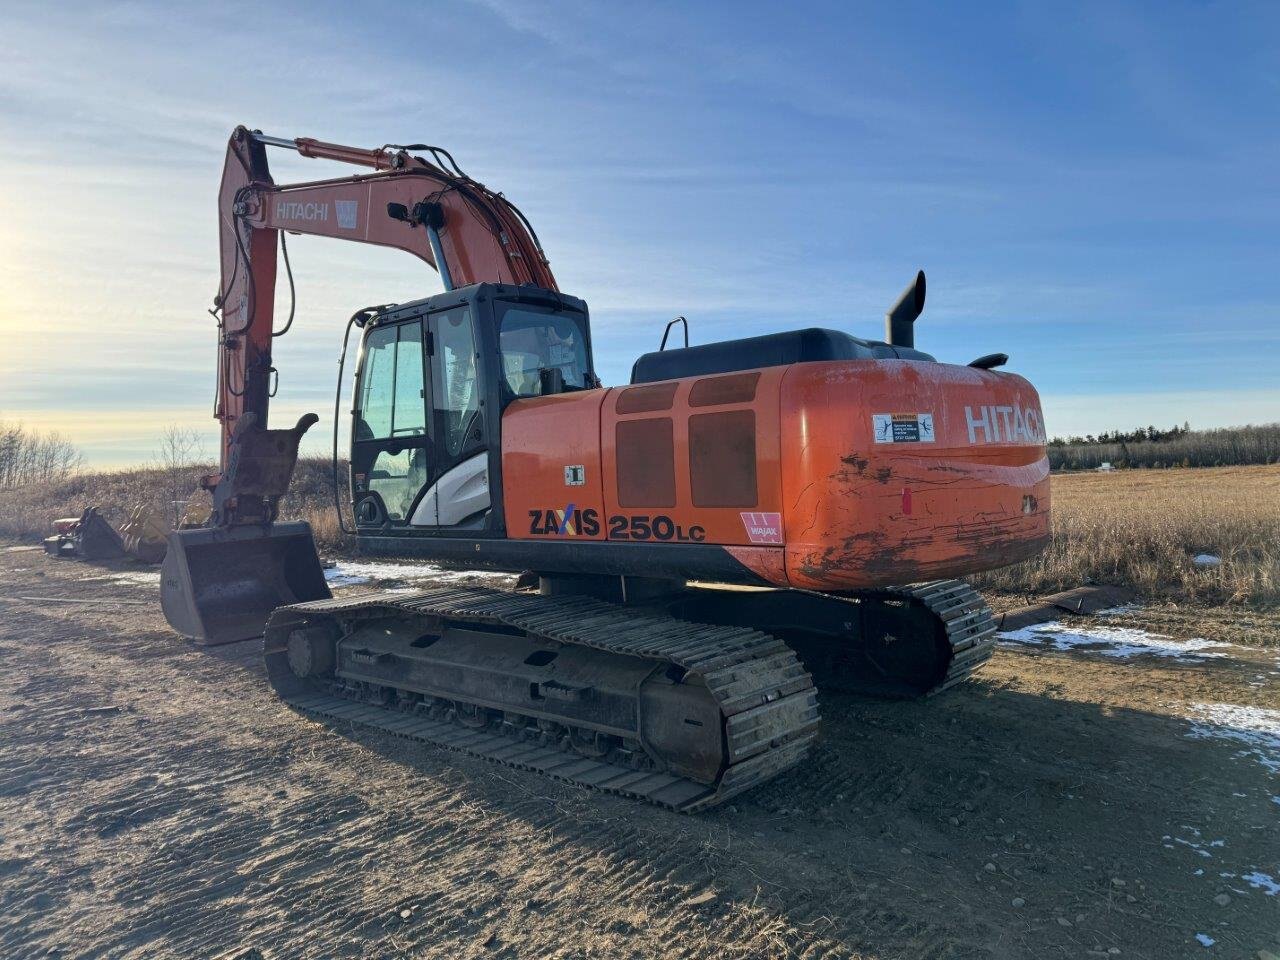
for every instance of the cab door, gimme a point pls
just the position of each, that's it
(392, 452)
(459, 492)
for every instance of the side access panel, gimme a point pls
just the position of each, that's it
(695, 460)
(551, 471)
(680, 464)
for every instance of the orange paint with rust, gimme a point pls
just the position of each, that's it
(834, 475)
(862, 513)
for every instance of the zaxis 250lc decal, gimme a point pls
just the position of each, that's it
(569, 522)
(572, 522)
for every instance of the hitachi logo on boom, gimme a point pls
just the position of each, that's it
(289, 210)
(1008, 424)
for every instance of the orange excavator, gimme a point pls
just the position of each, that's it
(698, 546)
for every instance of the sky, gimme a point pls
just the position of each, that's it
(1092, 189)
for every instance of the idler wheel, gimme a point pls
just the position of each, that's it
(915, 661)
(311, 652)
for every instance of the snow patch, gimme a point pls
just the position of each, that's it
(139, 578)
(1257, 728)
(350, 573)
(1119, 611)
(1198, 844)
(1206, 560)
(1262, 881)
(1119, 642)
(1195, 845)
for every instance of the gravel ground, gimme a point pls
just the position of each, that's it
(156, 801)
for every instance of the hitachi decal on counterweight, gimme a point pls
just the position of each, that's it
(990, 423)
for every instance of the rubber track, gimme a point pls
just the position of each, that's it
(766, 696)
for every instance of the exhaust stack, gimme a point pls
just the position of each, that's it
(899, 322)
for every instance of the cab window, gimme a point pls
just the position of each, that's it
(532, 340)
(391, 384)
(396, 476)
(457, 390)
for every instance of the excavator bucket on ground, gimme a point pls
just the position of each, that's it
(220, 585)
(89, 537)
(144, 535)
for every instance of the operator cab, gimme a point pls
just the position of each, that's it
(431, 383)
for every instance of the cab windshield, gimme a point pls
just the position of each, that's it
(533, 339)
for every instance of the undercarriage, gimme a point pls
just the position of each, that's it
(680, 695)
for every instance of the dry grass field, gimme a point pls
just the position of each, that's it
(1140, 528)
(1143, 528)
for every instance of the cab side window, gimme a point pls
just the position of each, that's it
(535, 340)
(391, 384)
(457, 389)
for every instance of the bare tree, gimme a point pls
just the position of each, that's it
(178, 458)
(28, 456)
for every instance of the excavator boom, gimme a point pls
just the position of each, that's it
(469, 233)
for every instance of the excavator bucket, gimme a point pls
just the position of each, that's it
(144, 535)
(219, 585)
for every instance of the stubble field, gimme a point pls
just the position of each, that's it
(1144, 529)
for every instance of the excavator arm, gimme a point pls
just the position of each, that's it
(221, 581)
(430, 209)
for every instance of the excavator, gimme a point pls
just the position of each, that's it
(701, 550)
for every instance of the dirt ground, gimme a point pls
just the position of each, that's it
(156, 801)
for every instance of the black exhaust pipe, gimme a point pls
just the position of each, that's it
(899, 322)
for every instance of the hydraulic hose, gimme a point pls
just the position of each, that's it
(358, 319)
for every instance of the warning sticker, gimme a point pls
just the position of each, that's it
(763, 527)
(902, 427)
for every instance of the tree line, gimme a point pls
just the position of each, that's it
(1176, 447)
(30, 456)
(1137, 435)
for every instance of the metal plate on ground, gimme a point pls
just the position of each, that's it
(1081, 601)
